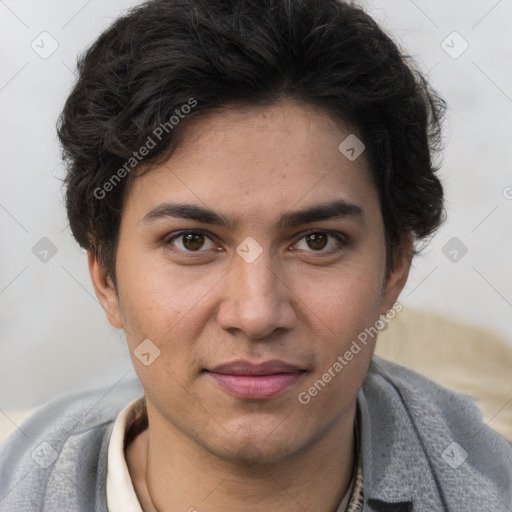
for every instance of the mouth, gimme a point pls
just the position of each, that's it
(251, 381)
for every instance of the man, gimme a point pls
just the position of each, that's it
(249, 180)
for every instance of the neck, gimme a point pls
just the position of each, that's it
(171, 472)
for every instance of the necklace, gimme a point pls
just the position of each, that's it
(146, 478)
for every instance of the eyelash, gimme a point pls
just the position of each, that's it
(339, 237)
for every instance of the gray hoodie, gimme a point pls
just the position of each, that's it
(424, 449)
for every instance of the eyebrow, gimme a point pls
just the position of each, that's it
(338, 209)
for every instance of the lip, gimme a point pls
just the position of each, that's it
(256, 381)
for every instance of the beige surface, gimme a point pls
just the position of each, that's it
(464, 358)
(460, 357)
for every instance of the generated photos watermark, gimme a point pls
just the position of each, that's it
(139, 155)
(304, 397)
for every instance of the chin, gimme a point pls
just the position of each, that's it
(251, 454)
(250, 447)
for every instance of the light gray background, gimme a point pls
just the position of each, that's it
(53, 334)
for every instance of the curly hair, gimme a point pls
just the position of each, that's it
(326, 53)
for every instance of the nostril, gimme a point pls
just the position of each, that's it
(256, 337)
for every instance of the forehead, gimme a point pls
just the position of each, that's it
(257, 161)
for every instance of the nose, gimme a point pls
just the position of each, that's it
(256, 299)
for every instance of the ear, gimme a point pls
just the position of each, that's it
(395, 281)
(105, 290)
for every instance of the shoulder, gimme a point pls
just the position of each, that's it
(428, 405)
(386, 377)
(434, 438)
(65, 439)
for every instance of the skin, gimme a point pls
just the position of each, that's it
(303, 305)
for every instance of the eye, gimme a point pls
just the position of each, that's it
(191, 241)
(320, 241)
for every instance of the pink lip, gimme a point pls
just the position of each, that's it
(251, 381)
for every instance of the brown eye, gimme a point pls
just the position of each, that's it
(317, 241)
(324, 242)
(191, 241)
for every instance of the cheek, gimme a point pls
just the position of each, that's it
(169, 314)
(340, 319)
(157, 303)
(344, 304)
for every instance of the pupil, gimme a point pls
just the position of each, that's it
(317, 241)
(193, 241)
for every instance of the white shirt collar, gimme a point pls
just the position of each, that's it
(121, 496)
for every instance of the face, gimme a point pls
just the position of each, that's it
(252, 259)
